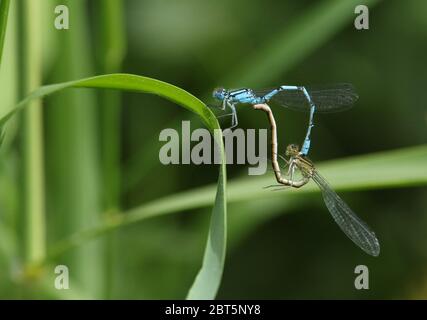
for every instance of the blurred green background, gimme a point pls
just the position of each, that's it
(95, 153)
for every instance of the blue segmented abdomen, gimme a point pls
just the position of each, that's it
(246, 96)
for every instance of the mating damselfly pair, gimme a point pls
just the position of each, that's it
(321, 99)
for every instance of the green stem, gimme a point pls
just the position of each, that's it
(4, 12)
(34, 194)
(110, 54)
(72, 152)
(111, 47)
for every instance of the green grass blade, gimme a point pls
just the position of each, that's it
(73, 195)
(4, 12)
(9, 228)
(110, 49)
(209, 277)
(110, 52)
(8, 64)
(206, 285)
(389, 169)
(111, 35)
(33, 191)
(126, 82)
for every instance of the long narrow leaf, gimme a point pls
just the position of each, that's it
(373, 171)
(4, 12)
(208, 280)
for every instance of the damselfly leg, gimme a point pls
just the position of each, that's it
(234, 121)
(233, 114)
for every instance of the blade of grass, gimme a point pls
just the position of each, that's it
(111, 49)
(209, 277)
(8, 61)
(72, 152)
(4, 12)
(33, 168)
(110, 35)
(125, 82)
(373, 171)
(8, 171)
(206, 285)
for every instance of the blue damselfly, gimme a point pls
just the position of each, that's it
(324, 99)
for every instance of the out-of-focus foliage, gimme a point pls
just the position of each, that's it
(295, 250)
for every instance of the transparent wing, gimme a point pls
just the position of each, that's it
(357, 230)
(327, 98)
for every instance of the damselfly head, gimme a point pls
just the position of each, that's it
(219, 93)
(292, 150)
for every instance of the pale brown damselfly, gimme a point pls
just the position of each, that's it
(354, 227)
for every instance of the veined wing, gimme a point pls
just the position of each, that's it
(327, 98)
(357, 230)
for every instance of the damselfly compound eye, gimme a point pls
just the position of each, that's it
(218, 93)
